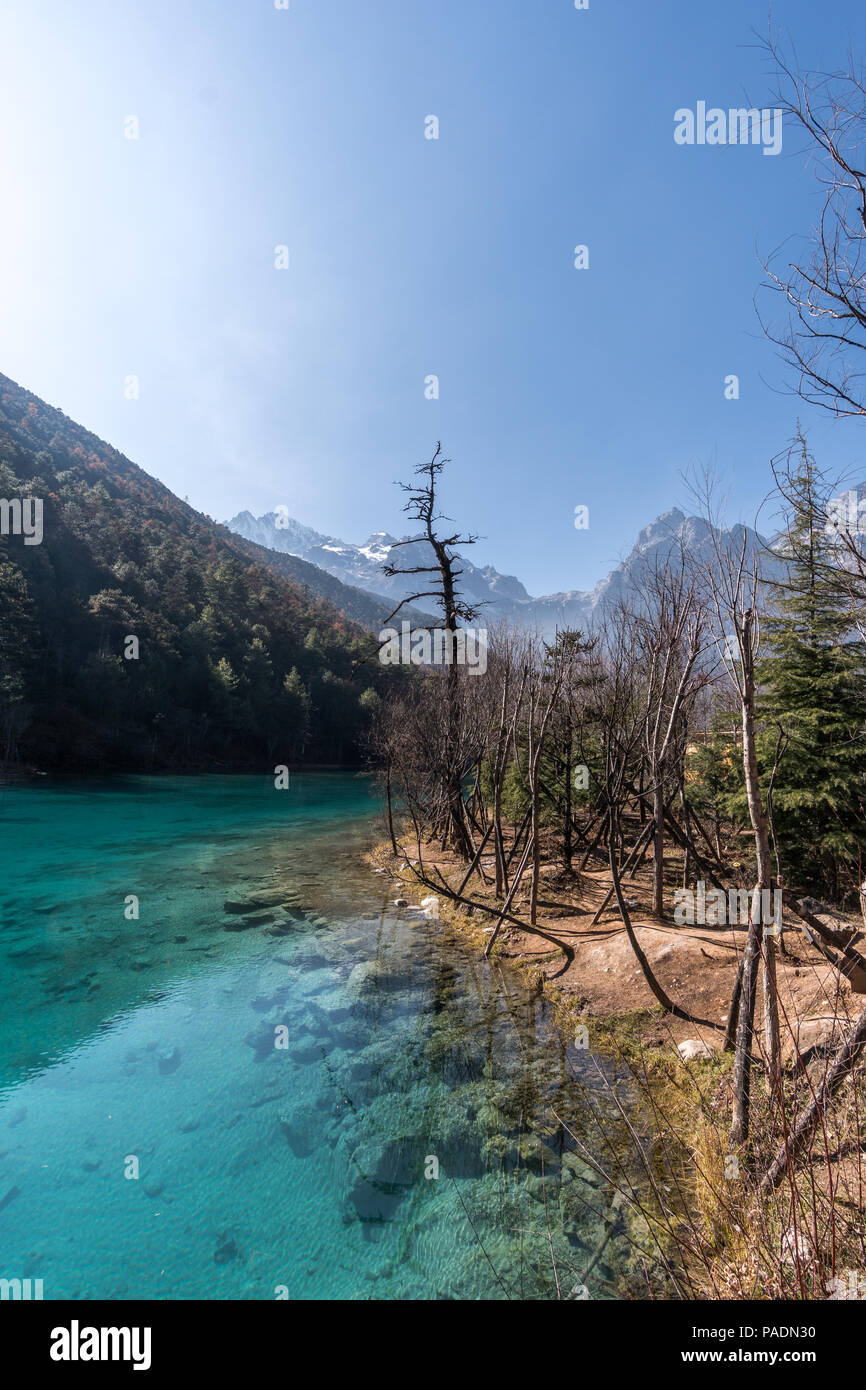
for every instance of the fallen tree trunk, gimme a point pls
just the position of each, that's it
(511, 892)
(642, 843)
(646, 968)
(443, 887)
(850, 963)
(476, 861)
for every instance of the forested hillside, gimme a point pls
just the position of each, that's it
(235, 665)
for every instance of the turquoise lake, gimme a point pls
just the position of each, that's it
(283, 1057)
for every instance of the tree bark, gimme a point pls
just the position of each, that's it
(658, 851)
(760, 828)
(746, 1026)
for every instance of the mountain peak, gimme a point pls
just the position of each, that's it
(500, 595)
(667, 524)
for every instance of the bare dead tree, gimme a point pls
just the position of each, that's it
(568, 729)
(669, 634)
(546, 673)
(503, 689)
(824, 288)
(733, 578)
(445, 590)
(621, 705)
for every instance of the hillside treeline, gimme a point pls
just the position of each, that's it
(232, 665)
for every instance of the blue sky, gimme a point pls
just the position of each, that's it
(408, 257)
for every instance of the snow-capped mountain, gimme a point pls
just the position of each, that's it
(502, 595)
(361, 565)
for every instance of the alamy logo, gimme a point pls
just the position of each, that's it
(440, 647)
(737, 126)
(850, 1285)
(23, 1289)
(22, 516)
(846, 513)
(75, 1343)
(717, 908)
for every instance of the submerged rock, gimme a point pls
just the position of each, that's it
(263, 1003)
(168, 1061)
(261, 1040)
(311, 960)
(312, 1052)
(318, 981)
(303, 1130)
(248, 923)
(574, 1167)
(332, 1006)
(385, 1175)
(367, 975)
(226, 1250)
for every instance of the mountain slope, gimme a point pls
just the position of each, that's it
(361, 565)
(237, 664)
(500, 596)
(367, 609)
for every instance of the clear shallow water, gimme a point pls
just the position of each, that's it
(265, 1169)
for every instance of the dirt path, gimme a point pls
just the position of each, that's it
(696, 965)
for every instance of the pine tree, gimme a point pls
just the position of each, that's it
(812, 700)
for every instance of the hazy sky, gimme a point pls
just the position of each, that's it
(257, 127)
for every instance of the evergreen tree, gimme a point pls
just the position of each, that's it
(812, 700)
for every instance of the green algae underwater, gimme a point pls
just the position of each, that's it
(272, 1082)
